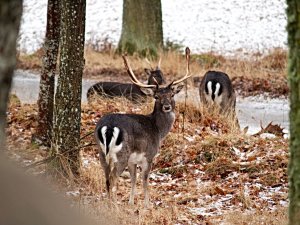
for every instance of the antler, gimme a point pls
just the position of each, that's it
(158, 66)
(133, 77)
(147, 61)
(187, 57)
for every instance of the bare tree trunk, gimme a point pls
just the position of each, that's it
(293, 13)
(142, 30)
(67, 109)
(10, 17)
(46, 94)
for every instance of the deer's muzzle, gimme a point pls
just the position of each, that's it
(167, 108)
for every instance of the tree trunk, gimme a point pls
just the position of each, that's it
(293, 27)
(142, 27)
(46, 94)
(10, 17)
(67, 108)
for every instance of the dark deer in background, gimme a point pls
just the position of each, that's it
(216, 91)
(132, 139)
(130, 91)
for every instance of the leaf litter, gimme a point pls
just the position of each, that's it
(200, 176)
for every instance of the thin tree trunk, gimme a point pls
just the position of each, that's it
(46, 94)
(10, 17)
(67, 109)
(293, 13)
(142, 30)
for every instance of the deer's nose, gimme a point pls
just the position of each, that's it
(167, 108)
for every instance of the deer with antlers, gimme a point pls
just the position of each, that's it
(130, 91)
(133, 139)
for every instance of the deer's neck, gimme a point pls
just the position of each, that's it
(163, 121)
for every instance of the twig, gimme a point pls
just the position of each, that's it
(91, 132)
(43, 161)
(87, 145)
(183, 114)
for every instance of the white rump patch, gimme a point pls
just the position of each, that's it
(113, 148)
(103, 145)
(218, 99)
(208, 96)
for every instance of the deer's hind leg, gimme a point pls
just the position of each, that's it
(116, 170)
(132, 171)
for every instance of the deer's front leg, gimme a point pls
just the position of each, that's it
(146, 167)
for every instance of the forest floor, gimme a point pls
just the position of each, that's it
(207, 171)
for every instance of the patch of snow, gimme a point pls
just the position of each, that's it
(267, 136)
(189, 139)
(207, 25)
(73, 193)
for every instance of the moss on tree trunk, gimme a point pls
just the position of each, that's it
(142, 30)
(46, 93)
(10, 17)
(293, 13)
(67, 109)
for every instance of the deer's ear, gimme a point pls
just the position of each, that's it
(147, 91)
(147, 71)
(177, 89)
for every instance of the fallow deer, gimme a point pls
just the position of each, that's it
(216, 90)
(130, 91)
(134, 139)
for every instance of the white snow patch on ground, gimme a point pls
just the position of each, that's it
(206, 25)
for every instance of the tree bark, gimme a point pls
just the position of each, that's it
(46, 93)
(67, 108)
(10, 17)
(293, 27)
(142, 30)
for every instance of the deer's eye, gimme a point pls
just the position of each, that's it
(156, 97)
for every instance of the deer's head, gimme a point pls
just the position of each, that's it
(155, 75)
(164, 96)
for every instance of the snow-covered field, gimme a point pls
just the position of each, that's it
(207, 25)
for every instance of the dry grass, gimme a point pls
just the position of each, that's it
(276, 217)
(173, 63)
(250, 76)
